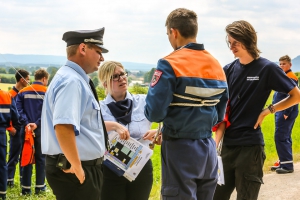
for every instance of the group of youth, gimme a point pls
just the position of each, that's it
(189, 92)
(19, 108)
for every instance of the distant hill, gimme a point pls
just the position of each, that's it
(49, 60)
(296, 64)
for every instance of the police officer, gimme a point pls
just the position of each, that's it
(8, 112)
(73, 138)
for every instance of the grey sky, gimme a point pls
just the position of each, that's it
(135, 30)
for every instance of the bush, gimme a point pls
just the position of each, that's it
(137, 89)
(100, 93)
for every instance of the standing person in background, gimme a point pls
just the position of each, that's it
(16, 133)
(284, 122)
(72, 126)
(188, 93)
(29, 103)
(123, 108)
(8, 113)
(250, 79)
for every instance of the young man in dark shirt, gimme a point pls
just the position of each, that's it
(251, 79)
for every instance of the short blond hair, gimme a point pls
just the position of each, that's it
(106, 71)
(285, 58)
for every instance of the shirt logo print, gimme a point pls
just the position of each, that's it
(252, 78)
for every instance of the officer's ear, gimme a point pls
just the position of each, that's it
(82, 48)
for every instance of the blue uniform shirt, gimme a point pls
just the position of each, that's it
(139, 124)
(69, 100)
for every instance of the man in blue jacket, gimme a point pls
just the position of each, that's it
(16, 133)
(188, 93)
(29, 103)
(284, 121)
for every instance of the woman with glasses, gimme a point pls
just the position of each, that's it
(127, 109)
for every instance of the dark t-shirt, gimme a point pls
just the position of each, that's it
(249, 88)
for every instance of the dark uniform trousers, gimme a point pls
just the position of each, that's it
(283, 138)
(119, 188)
(66, 186)
(15, 148)
(242, 170)
(3, 166)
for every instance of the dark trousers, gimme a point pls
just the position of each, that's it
(39, 167)
(66, 186)
(119, 188)
(189, 169)
(283, 138)
(242, 170)
(15, 148)
(3, 166)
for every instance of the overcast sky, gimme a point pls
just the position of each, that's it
(135, 31)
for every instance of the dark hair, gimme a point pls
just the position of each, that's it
(286, 57)
(244, 32)
(21, 73)
(185, 21)
(40, 74)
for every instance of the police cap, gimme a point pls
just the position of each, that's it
(85, 36)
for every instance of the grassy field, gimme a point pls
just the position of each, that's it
(5, 86)
(8, 75)
(268, 128)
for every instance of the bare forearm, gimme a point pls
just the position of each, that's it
(66, 139)
(219, 133)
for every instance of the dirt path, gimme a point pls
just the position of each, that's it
(280, 186)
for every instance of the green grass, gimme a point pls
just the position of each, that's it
(5, 86)
(268, 128)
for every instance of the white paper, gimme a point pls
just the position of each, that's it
(129, 155)
(221, 180)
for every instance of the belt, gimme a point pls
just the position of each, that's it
(97, 161)
(168, 138)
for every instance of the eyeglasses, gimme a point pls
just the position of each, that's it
(233, 44)
(116, 77)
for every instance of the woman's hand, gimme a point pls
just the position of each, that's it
(123, 132)
(120, 129)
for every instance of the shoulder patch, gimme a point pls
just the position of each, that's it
(155, 78)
